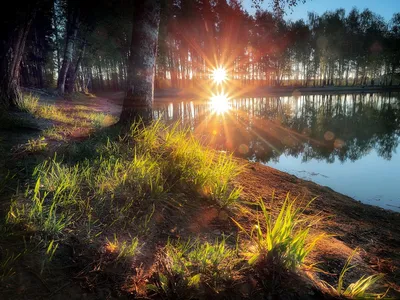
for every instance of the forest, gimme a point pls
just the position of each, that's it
(90, 47)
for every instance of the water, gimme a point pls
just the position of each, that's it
(349, 143)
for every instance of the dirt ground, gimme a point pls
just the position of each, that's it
(375, 231)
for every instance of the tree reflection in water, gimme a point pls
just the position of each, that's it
(322, 127)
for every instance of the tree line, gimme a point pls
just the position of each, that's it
(92, 45)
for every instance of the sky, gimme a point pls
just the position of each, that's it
(385, 8)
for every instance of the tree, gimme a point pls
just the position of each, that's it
(141, 67)
(15, 21)
(73, 16)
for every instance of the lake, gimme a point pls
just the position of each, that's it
(349, 143)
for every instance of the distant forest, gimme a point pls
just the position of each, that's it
(336, 48)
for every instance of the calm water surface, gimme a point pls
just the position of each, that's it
(349, 143)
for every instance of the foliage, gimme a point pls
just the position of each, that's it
(36, 145)
(284, 241)
(189, 162)
(358, 289)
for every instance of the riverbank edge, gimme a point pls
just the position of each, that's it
(351, 223)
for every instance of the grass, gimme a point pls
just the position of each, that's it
(78, 118)
(282, 243)
(191, 264)
(7, 262)
(358, 289)
(125, 250)
(29, 103)
(202, 170)
(36, 145)
(120, 179)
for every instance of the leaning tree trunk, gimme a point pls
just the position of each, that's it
(138, 101)
(74, 69)
(72, 30)
(15, 21)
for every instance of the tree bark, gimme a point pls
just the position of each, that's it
(138, 101)
(72, 79)
(72, 31)
(15, 21)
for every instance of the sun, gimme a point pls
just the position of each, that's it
(220, 103)
(219, 75)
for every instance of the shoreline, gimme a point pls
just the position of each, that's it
(350, 223)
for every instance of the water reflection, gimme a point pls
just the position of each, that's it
(328, 129)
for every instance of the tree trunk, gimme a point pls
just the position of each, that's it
(138, 101)
(75, 69)
(72, 30)
(15, 22)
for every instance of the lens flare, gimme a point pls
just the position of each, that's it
(219, 103)
(219, 75)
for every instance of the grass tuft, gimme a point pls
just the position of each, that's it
(282, 243)
(358, 289)
(29, 103)
(190, 264)
(125, 250)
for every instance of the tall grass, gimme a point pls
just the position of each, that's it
(188, 162)
(108, 186)
(282, 242)
(358, 289)
(29, 103)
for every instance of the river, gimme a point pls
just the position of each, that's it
(349, 143)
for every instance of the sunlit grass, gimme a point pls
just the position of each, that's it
(119, 176)
(96, 118)
(358, 289)
(51, 112)
(57, 133)
(81, 116)
(124, 250)
(36, 145)
(202, 169)
(29, 103)
(283, 242)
